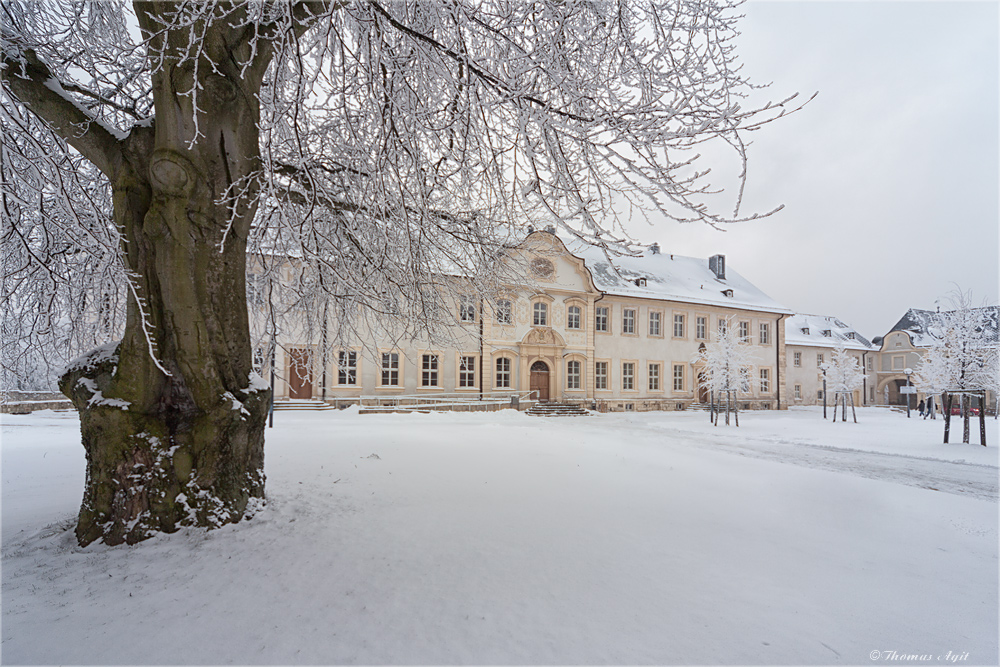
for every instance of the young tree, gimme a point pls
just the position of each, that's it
(726, 362)
(379, 145)
(843, 376)
(962, 358)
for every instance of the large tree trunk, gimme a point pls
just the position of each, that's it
(173, 429)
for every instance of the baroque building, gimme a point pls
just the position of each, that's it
(581, 328)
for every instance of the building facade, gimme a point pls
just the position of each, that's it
(580, 328)
(809, 343)
(903, 347)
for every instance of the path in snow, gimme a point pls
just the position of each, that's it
(972, 480)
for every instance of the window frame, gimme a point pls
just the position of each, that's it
(765, 333)
(701, 327)
(574, 380)
(657, 376)
(628, 374)
(602, 315)
(507, 373)
(571, 316)
(504, 314)
(425, 371)
(628, 321)
(605, 365)
(349, 370)
(539, 307)
(655, 316)
(466, 378)
(678, 377)
(383, 369)
(680, 323)
(467, 309)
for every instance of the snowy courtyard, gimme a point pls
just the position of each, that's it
(498, 538)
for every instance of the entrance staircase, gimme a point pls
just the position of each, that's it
(556, 410)
(303, 404)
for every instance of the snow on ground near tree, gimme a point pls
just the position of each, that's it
(501, 538)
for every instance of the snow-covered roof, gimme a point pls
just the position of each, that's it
(823, 331)
(920, 324)
(673, 278)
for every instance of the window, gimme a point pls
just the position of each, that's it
(502, 378)
(871, 363)
(504, 312)
(258, 360)
(797, 359)
(819, 394)
(722, 327)
(897, 363)
(541, 314)
(678, 377)
(654, 323)
(765, 333)
(819, 360)
(429, 375)
(700, 326)
(678, 325)
(600, 319)
(601, 374)
(347, 367)
(467, 372)
(798, 391)
(628, 320)
(390, 369)
(765, 380)
(654, 377)
(573, 317)
(572, 374)
(467, 308)
(745, 380)
(628, 375)
(744, 330)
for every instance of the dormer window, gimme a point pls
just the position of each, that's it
(826, 333)
(727, 292)
(640, 282)
(850, 334)
(805, 331)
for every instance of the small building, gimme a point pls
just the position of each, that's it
(809, 343)
(903, 348)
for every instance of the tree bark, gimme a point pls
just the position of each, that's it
(947, 416)
(172, 427)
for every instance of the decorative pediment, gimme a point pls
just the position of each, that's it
(540, 336)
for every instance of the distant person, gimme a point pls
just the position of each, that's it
(920, 407)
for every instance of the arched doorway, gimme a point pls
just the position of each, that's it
(540, 380)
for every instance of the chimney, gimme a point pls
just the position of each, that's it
(717, 263)
(655, 249)
(551, 229)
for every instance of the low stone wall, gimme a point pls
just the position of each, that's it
(27, 407)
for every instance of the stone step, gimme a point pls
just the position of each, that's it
(556, 410)
(296, 404)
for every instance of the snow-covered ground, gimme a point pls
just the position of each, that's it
(505, 539)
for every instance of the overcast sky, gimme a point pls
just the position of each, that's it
(889, 177)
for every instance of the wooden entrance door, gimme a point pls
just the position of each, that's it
(300, 373)
(540, 380)
(703, 396)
